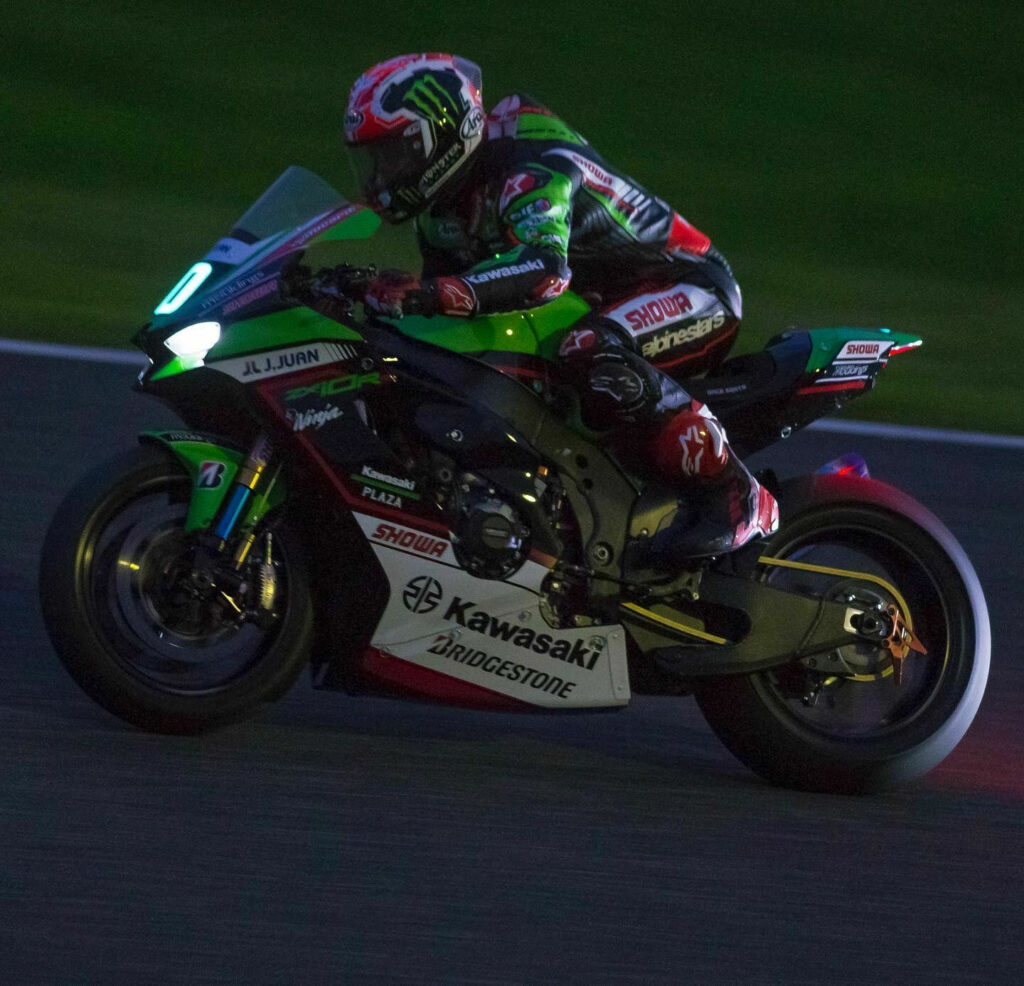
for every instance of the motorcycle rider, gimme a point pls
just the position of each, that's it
(513, 206)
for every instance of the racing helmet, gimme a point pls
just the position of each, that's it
(411, 123)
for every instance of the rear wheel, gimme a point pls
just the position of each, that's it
(137, 630)
(818, 725)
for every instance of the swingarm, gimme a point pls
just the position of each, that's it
(764, 627)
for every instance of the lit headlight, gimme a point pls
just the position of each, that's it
(194, 341)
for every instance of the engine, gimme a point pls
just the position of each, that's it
(491, 536)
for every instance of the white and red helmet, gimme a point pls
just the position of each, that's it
(411, 123)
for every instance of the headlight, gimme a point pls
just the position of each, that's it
(194, 341)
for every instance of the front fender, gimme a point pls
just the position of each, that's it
(212, 466)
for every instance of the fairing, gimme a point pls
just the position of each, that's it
(356, 409)
(211, 466)
(236, 284)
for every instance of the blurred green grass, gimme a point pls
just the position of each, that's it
(858, 163)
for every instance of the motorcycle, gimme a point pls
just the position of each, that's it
(403, 506)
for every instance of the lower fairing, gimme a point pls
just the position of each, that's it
(489, 635)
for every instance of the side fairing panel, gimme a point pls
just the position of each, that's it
(292, 327)
(333, 412)
(486, 633)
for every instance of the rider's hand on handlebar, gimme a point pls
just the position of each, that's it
(392, 293)
(395, 293)
(342, 285)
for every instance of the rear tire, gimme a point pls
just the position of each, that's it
(105, 586)
(868, 733)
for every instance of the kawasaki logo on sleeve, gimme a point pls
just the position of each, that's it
(512, 270)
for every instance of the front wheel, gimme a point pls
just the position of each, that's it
(813, 724)
(122, 608)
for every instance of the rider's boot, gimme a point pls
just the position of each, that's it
(723, 506)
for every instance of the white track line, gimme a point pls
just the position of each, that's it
(866, 429)
(89, 354)
(906, 433)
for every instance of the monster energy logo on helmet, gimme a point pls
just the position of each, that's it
(436, 121)
(433, 96)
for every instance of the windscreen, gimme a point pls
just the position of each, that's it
(294, 201)
(296, 196)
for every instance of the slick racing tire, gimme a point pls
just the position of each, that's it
(122, 621)
(802, 725)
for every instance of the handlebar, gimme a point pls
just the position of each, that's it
(335, 290)
(341, 283)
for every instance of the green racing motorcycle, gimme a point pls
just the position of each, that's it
(400, 506)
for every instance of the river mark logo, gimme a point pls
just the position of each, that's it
(422, 595)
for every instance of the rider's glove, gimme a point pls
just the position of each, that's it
(452, 296)
(395, 293)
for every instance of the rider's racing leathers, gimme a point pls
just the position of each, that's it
(535, 208)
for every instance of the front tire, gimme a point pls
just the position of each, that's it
(119, 625)
(802, 727)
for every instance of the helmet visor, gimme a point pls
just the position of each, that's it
(386, 166)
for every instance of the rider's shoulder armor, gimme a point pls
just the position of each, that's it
(611, 213)
(522, 118)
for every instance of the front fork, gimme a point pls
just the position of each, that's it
(254, 471)
(230, 498)
(243, 503)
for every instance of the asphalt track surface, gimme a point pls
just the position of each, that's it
(341, 840)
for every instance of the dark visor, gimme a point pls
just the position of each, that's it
(384, 165)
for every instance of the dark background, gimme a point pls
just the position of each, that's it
(859, 163)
